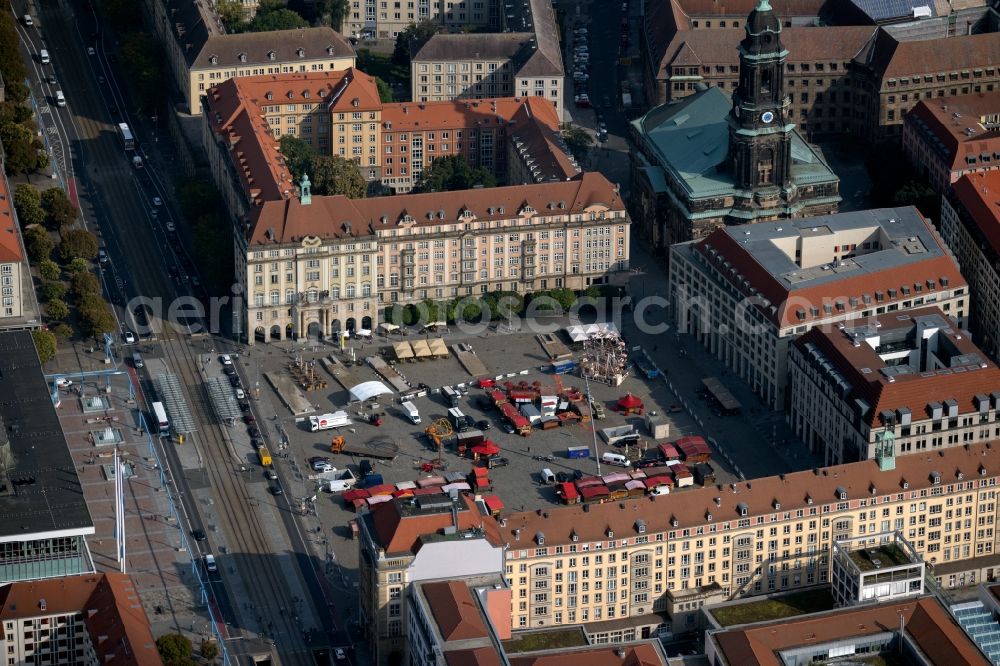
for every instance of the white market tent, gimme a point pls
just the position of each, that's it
(368, 390)
(387, 328)
(587, 331)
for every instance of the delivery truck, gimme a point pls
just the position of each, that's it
(411, 412)
(327, 421)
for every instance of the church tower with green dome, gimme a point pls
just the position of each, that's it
(760, 129)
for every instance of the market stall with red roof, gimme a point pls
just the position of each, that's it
(629, 404)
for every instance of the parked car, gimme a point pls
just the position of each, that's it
(199, 535)
(507, 428)
(276, 490)
(235, 382)
(253, 431)
(63, 382)
(244, 406)
(315, 458)
(240, 395)
(484, 424)
(157, 201)
(224, 359)
(128, 336)
(249, 419)
(229, 370)
(271, 475)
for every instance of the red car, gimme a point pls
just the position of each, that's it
(249, 419)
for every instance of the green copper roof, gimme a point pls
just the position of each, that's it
(763, 6)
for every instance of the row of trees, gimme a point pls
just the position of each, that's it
(282, 14)
(23, 150)
(142, 56)
(52, 207)
(494, 306)
(176, 650)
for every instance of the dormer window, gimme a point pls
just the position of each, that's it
(841, 493)
(906, 484)
(777, 505)
(640, 526)
(708, 516)
(269, 95)
(301, 53)
(982, 470)
(213, 60)
(809, 500)
(540, 538)
(329, 50)
(743, 509)
(306, 94)
(500, 210)
(355, 102)
(936, 478)
(271, 55)
(611, 533)
(674, 522)
(291, 95)
(575, 537)
(243, 57)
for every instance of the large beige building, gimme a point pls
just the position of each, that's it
(15, 278)
(384, 19)
(913, 382)
(746, 292)
(970, 225)
(222, 57)
(524, 59)
(631, 559)
(318, 265)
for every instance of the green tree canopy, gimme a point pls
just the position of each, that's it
(77, 243)
(232, 15)
(28, 204)
(20, 148)
(578, 140)
(268, 19)
(84, 284)
(52, 290)
(78, 265)
(49, 270)
(409, 41)
(57, 309)
(174, 649)
(145, 64)
(38, 244)
(298, 153)
(384, 90)
(336, 175)
(453, 172)
(57, 205)
(45, 345)
(97, 318)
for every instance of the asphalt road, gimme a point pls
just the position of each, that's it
(117, 203)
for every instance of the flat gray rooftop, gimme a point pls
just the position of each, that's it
(42, 493)
(902, 233)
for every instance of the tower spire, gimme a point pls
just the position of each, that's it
(763, 6)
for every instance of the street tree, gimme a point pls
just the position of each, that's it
(28, 204)
(77, 243)
(281, 18)
(174, 649)
(20, 148)
(232, 15)
(57, 205)
(57, 309)
(49, 270)
(97, 318)
(298, 153)
(451, 173)
(578, 140)
(38, 244)
(209, 649)
(84, 284)
(52, 291)
(45, 345)
(145, 64)
(336, 175)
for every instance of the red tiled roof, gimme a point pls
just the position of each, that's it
(787, 311)
(465, 113)
(949, 120)
(355, 91)
(889, 58)
(327, 216)
(398, 533)
(793, 491)
(926, 622)
(839, 44)
(109, 603)
(10, 243)
(483, 656)
(640, 654)
(454, 610)
(979, 194)
(915, 390)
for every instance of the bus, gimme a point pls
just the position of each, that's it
(127, 137)
(160, 415)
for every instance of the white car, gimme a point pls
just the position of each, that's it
(129, 337)
(240, 395)
(63, 382)
(339, 653)
(171, 226)
(225, 359)
(323, 466)
(157, 201)
(90, 50)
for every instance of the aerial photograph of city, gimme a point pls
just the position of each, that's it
(500, 333)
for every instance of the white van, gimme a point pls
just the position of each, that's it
(548, 476)
(210, 565)
(615, 459)
(411, 412)
(60, 98)
(27, 20)
(43, 56)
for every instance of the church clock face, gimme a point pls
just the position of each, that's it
(767, 117)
